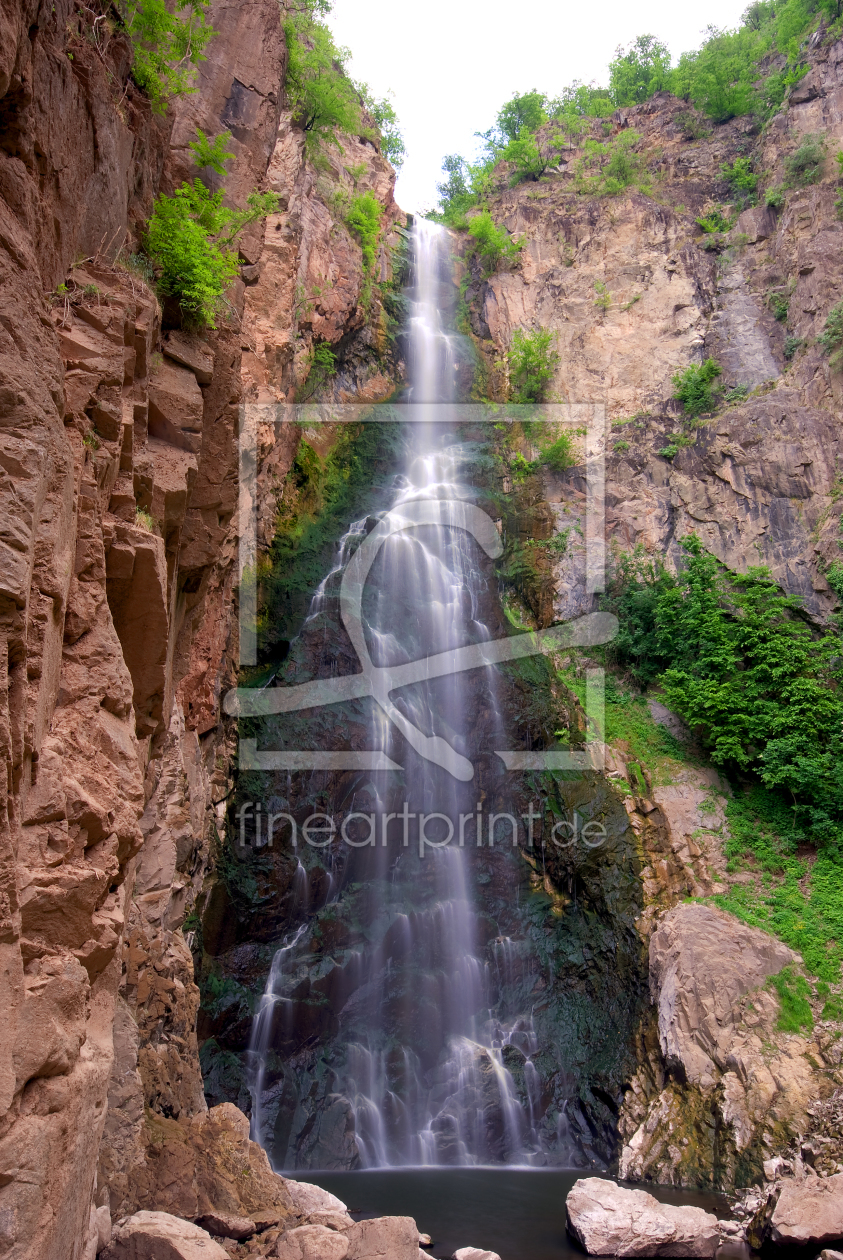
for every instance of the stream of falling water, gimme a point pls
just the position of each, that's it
(423, 1070)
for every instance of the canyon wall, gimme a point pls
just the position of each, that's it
(633, 292)
(118, 546)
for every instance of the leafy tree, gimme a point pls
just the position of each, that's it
(526, 112)
(530, 156)
(385, 119)
(322, 97)
(639, 71)
(609, 167)
(168, 42)
(532, 362)
(719, 77)
(693, 387)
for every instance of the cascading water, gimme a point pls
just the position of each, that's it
(426, 1027)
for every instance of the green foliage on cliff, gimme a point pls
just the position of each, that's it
(804, 166)
(831, 338)
(532, 361)
(608, 167)
(324, 99)
(734, 659)
(693, 387)
(190, 239)
(320, 93)
(492, 243)
(639, 70)
(793, 992)
(168, 42)
(728, 76)
(363, 219)
(322, 366)
(325, 494)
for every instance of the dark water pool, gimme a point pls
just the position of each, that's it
(519, 1213)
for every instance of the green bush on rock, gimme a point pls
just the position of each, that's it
(693, 387)
(190, 238)
(532, 362)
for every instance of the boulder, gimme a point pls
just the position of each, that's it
(609, 1221)
(226, 1225)
(384, 1238)
(160, 1236)
(474, 1253)
(809, 1211)
(312, 1242)
(308, 1199)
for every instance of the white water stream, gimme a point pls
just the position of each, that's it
(423, 1069)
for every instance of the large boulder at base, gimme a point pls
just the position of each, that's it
(160, 1236)
(308, 1199)
(474, 1253)
(609, 1221)
(809, 1211)
(384, 1238)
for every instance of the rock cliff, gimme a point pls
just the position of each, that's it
(118, 545)
(118, 491)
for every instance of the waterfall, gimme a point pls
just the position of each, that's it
(421, 1062)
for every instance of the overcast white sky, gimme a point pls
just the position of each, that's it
(450, 64)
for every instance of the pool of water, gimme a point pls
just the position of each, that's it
(519, 1213)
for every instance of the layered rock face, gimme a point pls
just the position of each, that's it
(633, 293)
(118, 490)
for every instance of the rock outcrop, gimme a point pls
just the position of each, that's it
(724, 1089)
(610, 1221)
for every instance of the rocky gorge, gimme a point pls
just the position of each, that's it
(138, 932)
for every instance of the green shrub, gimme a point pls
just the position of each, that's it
(693, 387)
(774, 197)
(493, 244)
(607, 168)
(791, 345)
(740, 177)
(559, 454)
(532, 362)
(831, 338)
(364, 220)
(144, 520)
(737, 394)
(693, 127)
(778, 303)
(805, 165)
(189, 240)
(793, 993)
(168, 42)
(321, 367)
(715, 221)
